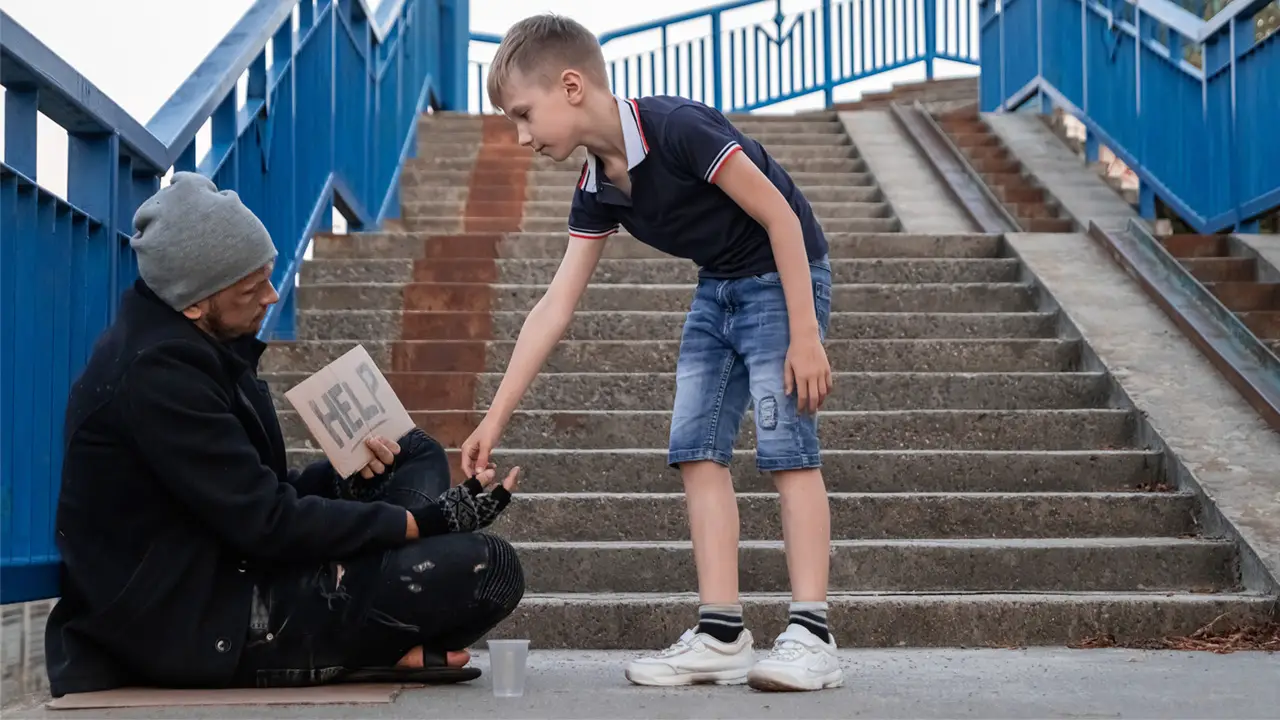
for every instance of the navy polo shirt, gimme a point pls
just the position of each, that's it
(675, 148)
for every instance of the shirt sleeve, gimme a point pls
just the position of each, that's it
(700, 140)
(188, 435)
(589, 218)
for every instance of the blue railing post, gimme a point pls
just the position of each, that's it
(930, 36)
(716, 80)
(20, 117)
(828, 57)
(455, 39)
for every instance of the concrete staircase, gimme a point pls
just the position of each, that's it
(989, 486)
(938, 95)
(1032, 208)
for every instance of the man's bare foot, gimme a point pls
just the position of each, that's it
(453, 658)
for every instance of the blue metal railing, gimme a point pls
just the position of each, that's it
(1189, 105)
(745, 55)
(328, 119)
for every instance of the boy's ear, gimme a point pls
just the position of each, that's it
(572, 84)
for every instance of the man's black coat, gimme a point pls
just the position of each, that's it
(175, 496)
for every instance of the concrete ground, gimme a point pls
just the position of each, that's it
(1027, 683)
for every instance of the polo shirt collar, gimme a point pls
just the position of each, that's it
(632, 135)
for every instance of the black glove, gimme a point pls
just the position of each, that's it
(463, 508)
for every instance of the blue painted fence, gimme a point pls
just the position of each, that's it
(746, 55)
(1190, 105)
(328, 119)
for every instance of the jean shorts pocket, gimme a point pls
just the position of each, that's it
(769, 278)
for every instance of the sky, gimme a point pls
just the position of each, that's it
(127, 48)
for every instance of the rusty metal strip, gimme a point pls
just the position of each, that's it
(957, 175)
(1244, 360)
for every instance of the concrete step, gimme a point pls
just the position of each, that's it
(444, 129)
(540, 271)
(640, 325)
(812, 161)
(867, 297)
(655, 620)
(658, 517)
(1075, 429)
(851, 471)
(489, 223)
(655, 391)
(981, 355)
(558, 210)
(772, 138)
(933, 565)
(623, 246)
(416, 173)
(460, 192)
(780, 147)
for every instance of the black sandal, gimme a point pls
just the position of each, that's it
(435, 671)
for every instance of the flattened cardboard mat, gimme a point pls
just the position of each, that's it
(355, 693)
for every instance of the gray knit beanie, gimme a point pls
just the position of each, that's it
(193, 241)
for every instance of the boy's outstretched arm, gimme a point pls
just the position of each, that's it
(807, 368)
(542, 329)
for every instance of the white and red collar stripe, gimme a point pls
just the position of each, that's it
(632, 135)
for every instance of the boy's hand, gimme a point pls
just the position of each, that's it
(808, 372)
(475, 451)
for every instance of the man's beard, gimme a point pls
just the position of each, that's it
(223, 331)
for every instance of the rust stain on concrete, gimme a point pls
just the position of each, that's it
(441, 355)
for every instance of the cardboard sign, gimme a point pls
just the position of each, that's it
(346, 402)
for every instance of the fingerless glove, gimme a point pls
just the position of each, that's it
(462, 508)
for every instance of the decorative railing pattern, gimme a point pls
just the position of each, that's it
(329, 115)
(745, 55)
(1189, 105)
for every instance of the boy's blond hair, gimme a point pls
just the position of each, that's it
(544, 46)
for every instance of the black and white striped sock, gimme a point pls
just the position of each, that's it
(722, 622)
(813, 616)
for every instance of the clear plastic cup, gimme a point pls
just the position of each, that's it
(507, 664)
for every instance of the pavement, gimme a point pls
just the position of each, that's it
(894, 683)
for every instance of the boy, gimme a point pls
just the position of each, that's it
(682, 179)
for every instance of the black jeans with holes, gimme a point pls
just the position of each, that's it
(442, 592)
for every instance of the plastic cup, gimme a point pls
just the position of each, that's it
(507, 663)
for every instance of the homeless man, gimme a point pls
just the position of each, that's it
(192, 556)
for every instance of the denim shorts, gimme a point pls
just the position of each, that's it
(732, 352)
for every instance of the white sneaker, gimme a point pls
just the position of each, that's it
(798, 661)
(696, 658)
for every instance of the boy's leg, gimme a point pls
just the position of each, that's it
(787, 446)
(711, 397)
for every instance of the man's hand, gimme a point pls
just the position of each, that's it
(384, 454)
(808, 372)
(476, 503)
(473, 505)
(476, 449)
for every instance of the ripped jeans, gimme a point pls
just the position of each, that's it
(444, 592)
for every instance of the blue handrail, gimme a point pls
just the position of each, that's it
(1188, 104)
(329, 117)
(732, 58)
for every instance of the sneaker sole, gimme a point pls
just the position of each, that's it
(767, 682)
(718, 677)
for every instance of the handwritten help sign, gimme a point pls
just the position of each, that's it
(346, 402)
